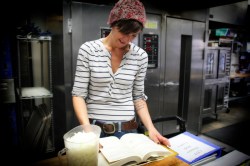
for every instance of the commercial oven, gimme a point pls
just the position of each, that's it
(217, 81)
(174, 77)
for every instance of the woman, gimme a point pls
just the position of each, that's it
(109, 81)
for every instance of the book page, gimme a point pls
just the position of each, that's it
(189, 148)
(144, 146)
(114, 150)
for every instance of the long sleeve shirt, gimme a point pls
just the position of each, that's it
(109, 96)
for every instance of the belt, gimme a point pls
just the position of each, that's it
(112, 127)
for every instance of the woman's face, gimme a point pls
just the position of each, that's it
(121, 39)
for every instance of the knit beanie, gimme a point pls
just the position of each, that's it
(127, 9)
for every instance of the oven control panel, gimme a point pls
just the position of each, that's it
(151, 45)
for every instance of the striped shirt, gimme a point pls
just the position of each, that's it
(109, 96)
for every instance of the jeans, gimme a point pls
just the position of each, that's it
(118, 134)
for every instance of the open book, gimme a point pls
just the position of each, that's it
(132, 149)
(194, 150)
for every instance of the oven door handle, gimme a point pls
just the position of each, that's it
(171, 83)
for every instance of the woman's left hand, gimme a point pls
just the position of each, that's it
(158, 138)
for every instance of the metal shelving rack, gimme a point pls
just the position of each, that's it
(35, 94)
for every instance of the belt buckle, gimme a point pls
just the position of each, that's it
(109, 132)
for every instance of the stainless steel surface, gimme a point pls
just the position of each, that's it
(196, 77)
(67, 79)
(184, 102)
(175, 29)
(154, 77)
(178, 57)
(85, 25)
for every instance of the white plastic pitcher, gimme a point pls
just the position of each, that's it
(82, 145)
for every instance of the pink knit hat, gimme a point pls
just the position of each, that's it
(128, 9)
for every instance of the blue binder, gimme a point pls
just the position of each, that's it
(214, 152)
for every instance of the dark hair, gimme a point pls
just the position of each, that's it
(127, 26)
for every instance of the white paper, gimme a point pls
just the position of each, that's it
(189, 148)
